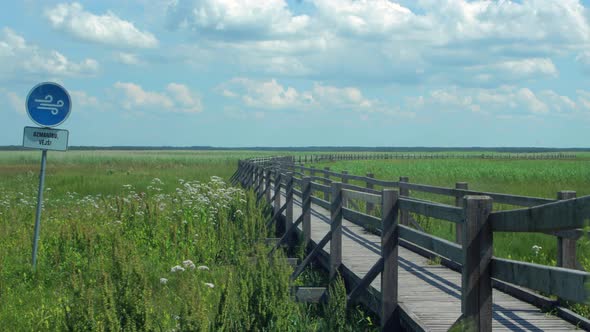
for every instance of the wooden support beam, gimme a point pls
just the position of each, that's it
(459, 203)
(311, 255)
(311, 294)
(306, 209)
(389, 253)
(365, 282)
(327, 183)
(370, 207)
(566, 248)
(476, 281)
(404, 192)
(335, 229)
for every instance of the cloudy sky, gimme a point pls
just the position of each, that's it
(302, 73)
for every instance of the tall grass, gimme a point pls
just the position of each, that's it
(156, 252)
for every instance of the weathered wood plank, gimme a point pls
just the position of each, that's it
(362, 219)
(361, 189)
(571, 213)
(434, 210)
(320, 202)
(440, 246)
(476, 282)
(389, 255)
(335, 229)
(565, 283)
(311, 294)
(362, 196)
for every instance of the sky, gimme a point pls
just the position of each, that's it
(231, 73)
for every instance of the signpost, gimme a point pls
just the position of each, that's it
(48, 105)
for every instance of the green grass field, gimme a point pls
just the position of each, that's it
(146, 241)
(116, 223)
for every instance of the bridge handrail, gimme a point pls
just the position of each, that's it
(474, 215)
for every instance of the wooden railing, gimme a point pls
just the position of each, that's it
(473, 253)
(312, 158)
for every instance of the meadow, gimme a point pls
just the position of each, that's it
(147, 241)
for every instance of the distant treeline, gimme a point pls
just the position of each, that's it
(321, 149)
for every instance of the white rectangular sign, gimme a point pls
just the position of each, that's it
(45, 139)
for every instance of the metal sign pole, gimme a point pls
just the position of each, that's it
(39, 207)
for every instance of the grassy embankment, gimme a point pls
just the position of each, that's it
(145, 241)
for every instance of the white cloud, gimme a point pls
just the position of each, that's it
(504, 101)
(17, 56)
(176, 98)
(270, 94)
(457, 42)
(128, 59)
(236, 19)
(106, 29)
(16, 102)
(83, 100)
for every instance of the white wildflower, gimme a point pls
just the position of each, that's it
(177, 268)
(163, 281)
(188, 264)
(208, 284)
(536, 249)
(203, 268)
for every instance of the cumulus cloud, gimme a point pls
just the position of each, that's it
(128, 59)
(107, 29)
(17, 56)
(176, 98)
(235, 19)
(505, 101)
(487, 43)
(270, 94)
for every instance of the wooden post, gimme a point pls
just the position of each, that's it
(566, 248)
(344, 180)
(289, 202)
(312, 171)
(459, 202)
(370, 207)
(476, 282)
(336, 228)
(389, 251)
(327, 183)
(267, 184)
(404, 216)
(277, 184)
(306, 209)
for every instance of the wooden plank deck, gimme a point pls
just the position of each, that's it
(431, 292)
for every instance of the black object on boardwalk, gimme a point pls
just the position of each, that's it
(413, 291)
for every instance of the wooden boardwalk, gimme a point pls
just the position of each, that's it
(430, 292)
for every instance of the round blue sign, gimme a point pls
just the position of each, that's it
(48, 104)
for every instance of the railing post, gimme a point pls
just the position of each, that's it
(312, 171)
(267, 184)
(389, 252)
(327, 183)
(476, 282)
(459, 202)
(370, 207)
(277, 195)
(336, 228)
(306, 209)
(404, 216)
(566, 248)
(289, 201)
(344, 180)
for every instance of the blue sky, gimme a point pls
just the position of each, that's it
(303, 73)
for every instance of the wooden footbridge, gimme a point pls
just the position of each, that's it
(427, 283)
